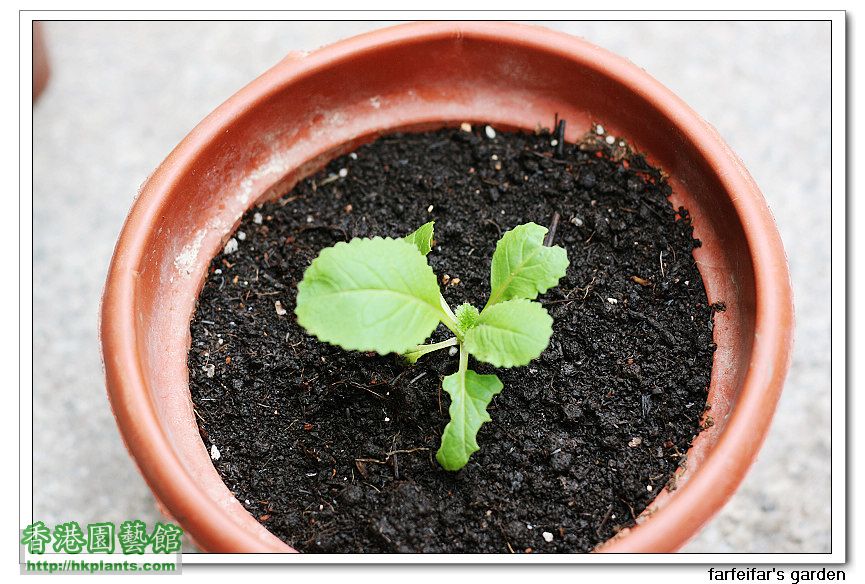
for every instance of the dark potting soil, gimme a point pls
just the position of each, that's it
(334, 451)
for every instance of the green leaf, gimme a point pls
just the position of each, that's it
(523, 267)
(422, 237)
(370, 295)
(510, 333)
(470, 395)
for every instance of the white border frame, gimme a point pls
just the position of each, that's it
(838, 239)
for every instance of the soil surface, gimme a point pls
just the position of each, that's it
(334, 451)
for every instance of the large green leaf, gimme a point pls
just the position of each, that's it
(422, 237)
(510, 333)
(370, 295)
(523, 267)
(470, 393)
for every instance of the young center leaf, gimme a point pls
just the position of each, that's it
(422, 237)
(470, 393)
(370, 295)
(510, 333)
(523, 267)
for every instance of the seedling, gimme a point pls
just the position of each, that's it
(381, 295)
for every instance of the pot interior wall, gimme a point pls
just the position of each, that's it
(291, 131)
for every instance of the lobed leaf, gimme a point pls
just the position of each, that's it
(370, 295)
(422, 237)
(470, 394)
(523, 266)
(510, 333)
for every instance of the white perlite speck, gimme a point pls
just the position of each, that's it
(279, 308)
(612, 300)
(599, 129)
(214, 452)
(466, 127)
(490, 132)
(548, 537)
(453, 351)
(209, 370)
(257, 218)
(343, 172)
(230, 246)
(241, 235)
(611, 139)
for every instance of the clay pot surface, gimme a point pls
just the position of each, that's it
(312, 107)
(41, 67)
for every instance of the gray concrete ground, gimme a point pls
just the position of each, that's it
(123, 94)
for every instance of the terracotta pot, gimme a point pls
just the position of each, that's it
(41, 68)
(311, 107)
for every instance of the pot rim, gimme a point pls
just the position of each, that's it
(671, 526)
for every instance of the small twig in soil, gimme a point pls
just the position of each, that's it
(560, 139)
(392, 382)
(630, 508)
(372, 486)
(566, 299)
(504, 536)
(365, 388)
(494, 224)
(416, 378)
(393, 458)
(548, 156)
(655, 325)
(604, 521)
(551, 234)
(407, 451)
(588, 288)
(372, 460)
(535, 153)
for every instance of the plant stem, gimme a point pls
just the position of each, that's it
(450, 319)
(464, 363)
(422, 350)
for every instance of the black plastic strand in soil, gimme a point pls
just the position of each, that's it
(334, 451)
